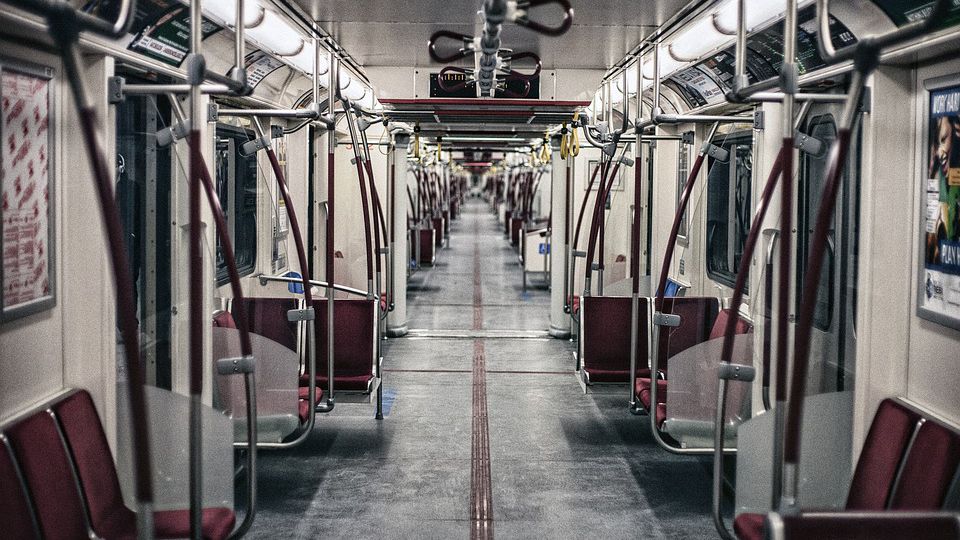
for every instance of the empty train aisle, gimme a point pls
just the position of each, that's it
(486, 432)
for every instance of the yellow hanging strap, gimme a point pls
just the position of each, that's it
(416, 142)
(564, 142)
(573, 147)
(545, 149)
(439, 148)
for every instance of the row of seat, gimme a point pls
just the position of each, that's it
(910, 462)
(58, 480)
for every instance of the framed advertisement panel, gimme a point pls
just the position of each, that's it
(938, 276)
(28, 279)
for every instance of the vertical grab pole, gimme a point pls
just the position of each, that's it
(196, 67)
(332, 91)
(64, 29)
(788, 82)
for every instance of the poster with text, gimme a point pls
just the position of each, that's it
(939, 297)
(25, 181)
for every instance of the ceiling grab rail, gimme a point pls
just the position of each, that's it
(65, 24)
(866, 58)
(246, 364)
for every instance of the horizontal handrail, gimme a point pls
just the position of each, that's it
(264, 279)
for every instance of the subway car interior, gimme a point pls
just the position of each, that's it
(446, 269)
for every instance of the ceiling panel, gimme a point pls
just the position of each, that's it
(395, 33)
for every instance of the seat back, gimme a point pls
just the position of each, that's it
(720, 325)
(268, 318)
(890, 433)
(929, 468)
(92, 458)
(40, 451)
(355, 332)
(224, 319)
(697, 316)
(605, 333)
(17, 519)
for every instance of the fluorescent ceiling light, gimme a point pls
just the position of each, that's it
(276, 35)
(758, 13)
(631, 79)
(697, 39)
(226, 11)
(667, 66)
(351, 88)
(304, 60)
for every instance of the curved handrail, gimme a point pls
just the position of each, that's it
(64, 30)
(380, 234)
(522, 17)
(730, 331)
(364, 203)
(609, 175)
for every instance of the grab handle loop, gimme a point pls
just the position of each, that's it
(521, 17)
(509, 59)
(464, 51)
(511, 94)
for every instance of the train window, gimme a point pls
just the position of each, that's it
(729, 207)
(237, 190)
(813, 173)
(143, 181)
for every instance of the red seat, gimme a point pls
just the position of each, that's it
(304, 403)
(643, 390)
(901, 467)
(223, 319)
(383, 302)
(109, 516)
(17, 518)
(48, 473)
(354, 343)
(606, 344)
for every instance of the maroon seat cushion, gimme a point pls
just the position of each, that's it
(643, 391)
(48, 473)
(223, 319)
(720, 325)
(890, 432)
(216, 523)
(928, 470)
(109, 516)
(15, 519)
(697, 316)
(347, 383)
(749, 526)
(607, 375)
(661, 414)
(304, 403)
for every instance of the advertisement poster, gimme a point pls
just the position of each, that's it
(939, 297)
(25, 180)
(167, 39)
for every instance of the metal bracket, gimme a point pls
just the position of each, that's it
(715, 152)
(577, 253)
(666, 319)
(626, 161)
(384, 250)
(595, 266)
(297, 315)
(250, 148)
(276, 132)
(736, 372)
(687, 137)
(213, 112)
(236, 366)
(169, 135)
(115, 90)
(758, 119)
(807, 144)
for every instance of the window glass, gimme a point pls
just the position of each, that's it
(237, 191)
(142, 190)
(813, 173)
(729, 207)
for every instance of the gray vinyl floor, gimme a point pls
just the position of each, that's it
(563, 464)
